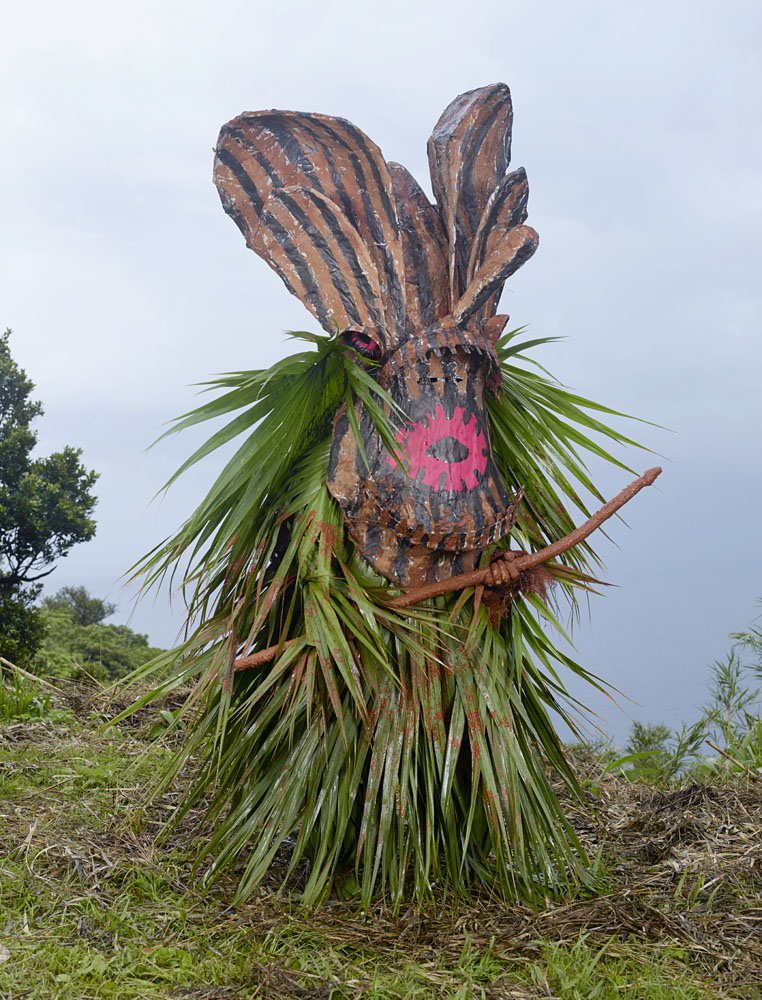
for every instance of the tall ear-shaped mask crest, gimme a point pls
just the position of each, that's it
(410, 284)
(313, 196)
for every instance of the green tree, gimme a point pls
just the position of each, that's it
(79, 643)
(660, 753)
(22, 627)
(648, 738)
(45, 508)
(79, 605)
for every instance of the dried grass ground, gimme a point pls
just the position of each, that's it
(90, 908)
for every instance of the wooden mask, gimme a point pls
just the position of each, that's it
(410, 286)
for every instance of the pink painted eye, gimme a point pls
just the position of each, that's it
(363, 344)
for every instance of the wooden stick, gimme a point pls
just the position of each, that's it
(531, 559)
(263, 656)
(479, 576)
(31, 677)
(738, 763)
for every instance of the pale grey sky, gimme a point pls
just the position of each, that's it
(639, 127)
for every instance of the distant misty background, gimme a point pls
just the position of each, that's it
(639, 127)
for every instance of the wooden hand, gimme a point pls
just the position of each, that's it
(504, 570)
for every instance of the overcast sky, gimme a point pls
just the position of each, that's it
(639, 127)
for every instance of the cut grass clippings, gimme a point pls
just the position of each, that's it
(91, 907)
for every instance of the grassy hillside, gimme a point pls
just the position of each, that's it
(91, 907)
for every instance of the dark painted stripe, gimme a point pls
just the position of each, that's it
(402, 560)
(434, 231)
(386, 202)
(343, 197)
(373, 221)
(463, 343)
(321, 245)
(461, 253)
(371, 541)
(418, 260)
(494, 285)
(451, 391)
(348, 253)
(478, 514)
(516, 218)
(395, 291)
(280, 128)
(441, 189)
(311, 291)
(433, 338)
(248, 186)
(458, 565)
(474, 143)
(245, 143)
(279, 134)
(424, 279)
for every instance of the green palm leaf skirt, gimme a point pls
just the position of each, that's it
(402, 753)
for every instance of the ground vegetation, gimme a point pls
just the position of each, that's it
(94, 907)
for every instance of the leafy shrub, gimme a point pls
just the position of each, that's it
(733, 706)
(20, 700)
(731, 720)
(79, 644)
(657, 754)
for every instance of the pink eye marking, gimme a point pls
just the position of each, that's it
(363, 344)
(419, 450)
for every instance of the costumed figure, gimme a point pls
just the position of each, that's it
(373, 666)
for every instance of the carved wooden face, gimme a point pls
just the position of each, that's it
(412, 285)
(440, 500)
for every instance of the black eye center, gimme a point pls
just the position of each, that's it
(363, 344)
